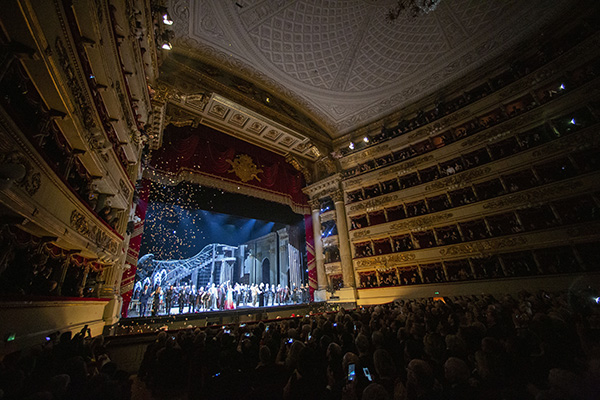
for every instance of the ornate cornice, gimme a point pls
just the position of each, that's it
(324, 187)
(459, 180)
(420, 222)
(32, 179)
(374, 203)
(484, 246)
(532, 196)
(388, 260)
(91, 231)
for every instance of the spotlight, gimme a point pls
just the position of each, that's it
(366, 139)
(167, 20)
(562, 86)
(572, 121)
(166, 46)
(351, 146)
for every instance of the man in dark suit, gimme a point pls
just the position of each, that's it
(144, 297)
(169, 299)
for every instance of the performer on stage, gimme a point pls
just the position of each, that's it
(229, 304)
(169, 299)
(182, 299)
(261, 295)
(156, 300)
(144, 297)
(213, 296)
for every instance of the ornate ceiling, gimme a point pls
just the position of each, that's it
(335, 66)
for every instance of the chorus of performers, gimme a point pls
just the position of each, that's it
(189, 299)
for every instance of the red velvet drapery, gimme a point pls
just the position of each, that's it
(205, 152)
(135, 242)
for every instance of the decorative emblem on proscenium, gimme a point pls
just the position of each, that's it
(244, 168)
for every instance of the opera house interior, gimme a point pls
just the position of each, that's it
(430, 169)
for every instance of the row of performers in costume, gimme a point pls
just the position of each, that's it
(213, 297)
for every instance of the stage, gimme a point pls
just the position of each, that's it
(244, 314)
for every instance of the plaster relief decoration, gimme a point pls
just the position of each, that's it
(288, 141)
(403, 168)
(218, 111)
(385, 260)
(421, 223)
(124, 189)
(332, 269)
(483, 246)
(244, 168)
(31, 180)
(533, 196)
(459, 180)
(80, 223)
(343, 63)
(301, 147)
(196, 101)
(361, 234)
(273, 135)
(256, 128)
(82, 107)
(179, 117)
(371, 204)
(239, 120)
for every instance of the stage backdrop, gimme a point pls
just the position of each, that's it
(205, 156)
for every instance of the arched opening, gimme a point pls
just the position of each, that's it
(266, 271)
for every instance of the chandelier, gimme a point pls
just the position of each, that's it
(411, 8)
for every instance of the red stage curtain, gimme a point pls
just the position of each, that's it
(205, 151)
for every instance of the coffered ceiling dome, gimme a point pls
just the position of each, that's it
(343, 62)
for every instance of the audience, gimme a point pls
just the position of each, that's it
(531, 346)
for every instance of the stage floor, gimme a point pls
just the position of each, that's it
(243, 314)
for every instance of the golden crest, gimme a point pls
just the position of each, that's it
(244, 168)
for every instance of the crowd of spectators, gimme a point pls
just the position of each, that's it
(546, 261)
(65, 367)
(531, 346)
(517, 70)
(487, 120)
(542, 346)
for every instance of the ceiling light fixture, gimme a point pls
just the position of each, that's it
(351, 146)
(411, 8)
(166, 46)
(366, 139)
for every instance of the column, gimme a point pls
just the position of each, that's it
(343, 239)
(319, 257)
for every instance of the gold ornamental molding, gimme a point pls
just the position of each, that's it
(88, 229)
(533, 196)
(407, 166)
(458, 180)
(483, 246)
(441, 124)
(314, 204)
(585, 140)
(32, 179)
(387, 260)
(420, 223)
(333, 269)
(244, 168)
(378, 202)
(361, 234)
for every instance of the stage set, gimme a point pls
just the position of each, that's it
(262, 263)
(264, 272)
